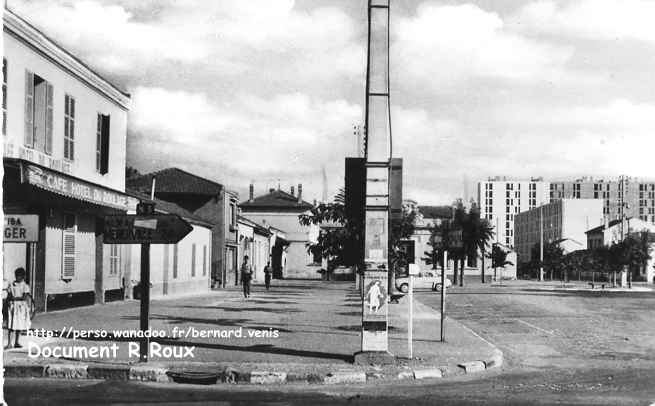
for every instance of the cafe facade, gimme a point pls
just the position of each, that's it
(64, 136)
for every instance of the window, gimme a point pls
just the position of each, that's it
(38, 113)
(233, 214)
(204, 260)
(114, 259)
(69, 128)
(4, 96)
(102, 144)
(193, 260)
(68, 246)
(175, 261)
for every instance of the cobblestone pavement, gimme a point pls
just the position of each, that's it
(539, 328)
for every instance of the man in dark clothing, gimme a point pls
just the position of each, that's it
(246, 277)
(268, 272)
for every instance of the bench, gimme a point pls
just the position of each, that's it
(602, 285)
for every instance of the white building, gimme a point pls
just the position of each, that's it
(564, 220)
(64, 132)
(501, 199)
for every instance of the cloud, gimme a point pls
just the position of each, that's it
(229, 36)
(250, 137)
(589, 19)
(447, 45)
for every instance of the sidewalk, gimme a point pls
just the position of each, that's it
(308, 327)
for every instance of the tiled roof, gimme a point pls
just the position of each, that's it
(276, 200)
(432, 212)
(170, 208)
(256, 226)
(175, 180)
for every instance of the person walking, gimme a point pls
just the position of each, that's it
(246, 276)
(268, 272)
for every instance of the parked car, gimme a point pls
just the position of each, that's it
(432, 282)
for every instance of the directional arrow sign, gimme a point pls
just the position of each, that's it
(151, 229)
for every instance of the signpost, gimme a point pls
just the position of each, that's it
(443, 294)
(413, 271)
(145, 228)
(21, 228)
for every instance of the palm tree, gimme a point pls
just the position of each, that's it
(476, 234)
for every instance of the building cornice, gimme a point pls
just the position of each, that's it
(35, 39)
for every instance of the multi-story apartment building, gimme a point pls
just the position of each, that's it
(562, 219)
(64, 131)
(501, 199)
(637, 195)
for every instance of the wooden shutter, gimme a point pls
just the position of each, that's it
(193, 260)
(29, 109)
(104, 146)
(204, 260)
(68, 247)
(48, 118)
(175, 261)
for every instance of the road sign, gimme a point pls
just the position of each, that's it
(21, 228)
(152, 229)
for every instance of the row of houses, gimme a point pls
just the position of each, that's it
(64, 130)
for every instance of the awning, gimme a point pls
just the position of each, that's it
(74, 188)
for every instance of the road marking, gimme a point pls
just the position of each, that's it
(534, 327)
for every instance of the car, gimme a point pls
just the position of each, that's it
(432, 282)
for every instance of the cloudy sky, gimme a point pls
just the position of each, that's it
(262, 90)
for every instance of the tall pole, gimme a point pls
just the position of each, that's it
(378, 153)
(443, 296)
(541, 243)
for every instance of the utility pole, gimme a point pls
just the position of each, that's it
(378, 153)
(541, 243)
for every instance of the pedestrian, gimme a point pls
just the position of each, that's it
(20, 307)
(246, 276)
(268, 272)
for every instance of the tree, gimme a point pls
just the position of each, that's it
(498, 257)
(476, 234)
(332, 241)
(131, 172)
(553, 255)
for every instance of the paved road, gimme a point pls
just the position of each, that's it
(566, 348)
(565, 330)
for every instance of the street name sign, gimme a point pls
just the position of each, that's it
(21, 228)
(150, 229)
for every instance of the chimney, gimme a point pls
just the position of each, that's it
(293, 192)
(299, 193)
(251, 195)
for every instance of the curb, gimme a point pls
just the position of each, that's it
(229, 375)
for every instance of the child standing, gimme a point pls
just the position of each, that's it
(20, 306)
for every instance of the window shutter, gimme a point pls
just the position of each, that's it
(104, 156)
(68, 269)
(193, 260)
(29, 109)
(204, 260)
(48, 118)
(175, 261)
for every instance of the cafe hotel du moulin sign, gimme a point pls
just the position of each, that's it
(71, 187)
